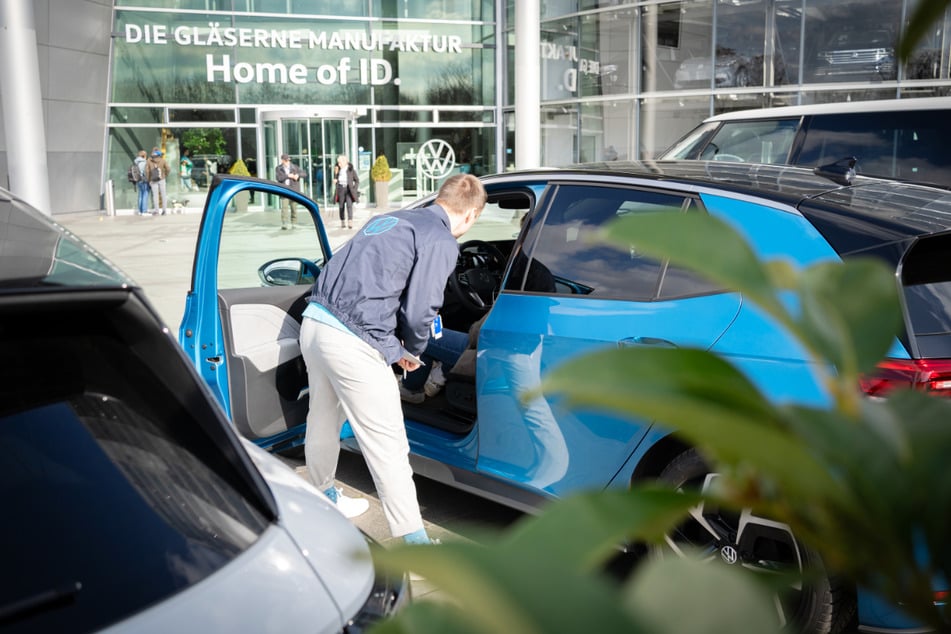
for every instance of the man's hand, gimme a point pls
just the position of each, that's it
(407, 365)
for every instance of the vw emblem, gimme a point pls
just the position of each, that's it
(436, 158)
(729, 554)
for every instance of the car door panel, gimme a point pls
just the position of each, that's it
(243, 312)
(543, 443)
(266, 373)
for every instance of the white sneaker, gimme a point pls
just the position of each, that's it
(411, 397)
(435, 381)
(351, 507)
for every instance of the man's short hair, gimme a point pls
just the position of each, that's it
(285, 157)
(462, 192)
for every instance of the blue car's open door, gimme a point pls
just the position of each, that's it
(252, 274)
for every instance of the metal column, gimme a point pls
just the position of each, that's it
(23, 104)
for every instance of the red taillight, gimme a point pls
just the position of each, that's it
(941, 598)
(929, 375)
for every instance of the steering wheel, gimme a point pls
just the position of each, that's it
(728, 157)
(478, 275)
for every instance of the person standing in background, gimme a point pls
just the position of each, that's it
(156, 170)
(289, 175)
(185, 172)
(142, 185)
(347, 191)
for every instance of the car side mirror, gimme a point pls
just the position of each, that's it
(288, 272)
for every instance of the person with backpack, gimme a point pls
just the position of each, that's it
(156, 170)
(139, 181)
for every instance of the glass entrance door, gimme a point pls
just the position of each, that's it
(313, 143)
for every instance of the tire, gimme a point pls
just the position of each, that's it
(742, 78)
(824, 605)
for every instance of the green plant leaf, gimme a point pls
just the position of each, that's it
(531, 592)
(850, 311)
(927, 14)
(606, 520)
(678, 595)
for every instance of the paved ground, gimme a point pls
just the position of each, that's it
(158, 252)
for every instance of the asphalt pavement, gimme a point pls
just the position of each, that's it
(158, 252)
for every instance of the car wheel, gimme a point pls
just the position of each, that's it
(824, 605)
(742, 78)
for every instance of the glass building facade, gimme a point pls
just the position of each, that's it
(251, 79)
(627, 79)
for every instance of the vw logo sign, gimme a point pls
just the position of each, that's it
(435, 159)
(729, 554)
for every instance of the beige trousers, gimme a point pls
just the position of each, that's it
(349, 380)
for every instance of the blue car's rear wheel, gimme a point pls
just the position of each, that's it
(823, 604)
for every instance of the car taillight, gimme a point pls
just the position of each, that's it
(929, 375)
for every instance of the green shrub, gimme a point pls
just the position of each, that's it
(380, 170)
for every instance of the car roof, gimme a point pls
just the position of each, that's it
(882, 105)
(37, 253)
(907, 210)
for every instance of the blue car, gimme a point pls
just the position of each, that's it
(547, 293)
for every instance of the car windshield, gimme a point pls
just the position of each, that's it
(767, 141)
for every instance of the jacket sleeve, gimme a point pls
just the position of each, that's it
(425, 290)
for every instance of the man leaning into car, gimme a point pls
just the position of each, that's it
(373, 306)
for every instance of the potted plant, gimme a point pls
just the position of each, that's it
(380, 174)
(242, 198)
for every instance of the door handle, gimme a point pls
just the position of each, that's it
(653, 342)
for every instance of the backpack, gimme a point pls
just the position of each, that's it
(133, 174)
(155, 174)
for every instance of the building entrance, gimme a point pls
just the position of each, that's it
(313, 138)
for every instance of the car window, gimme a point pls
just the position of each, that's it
(566, 259)
(254, 244)
(752, 141)
(110, 475)
(497, 222)
(926, 286)
(907, 146)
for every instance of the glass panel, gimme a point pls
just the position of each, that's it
(580, 266)
(841, 48)
(242, 260)
(663, 121)
(607, 131)
(930, 59)
(677, 46)
(200, 115)
(147, 72)
(887, 144)
(752, 141)
(459, 115)
(137, 115)
(618, 36)
(740, 34)
(559, 135)
(560, 57)
(442, 10)
(787, 50)
(124, 146)
(444, 65)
